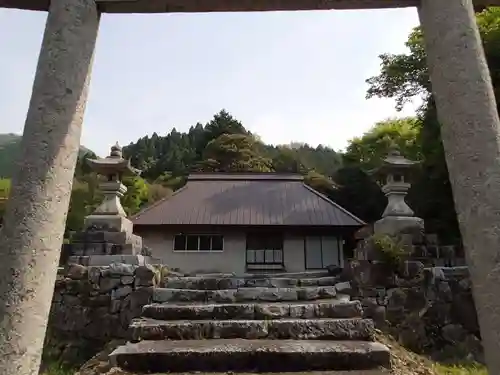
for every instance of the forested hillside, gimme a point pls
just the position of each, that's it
(224, 144)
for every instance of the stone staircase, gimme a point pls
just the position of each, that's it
(258, 323)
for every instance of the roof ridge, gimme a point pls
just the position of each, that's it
(247, 176)
(155, 204)
(325, 198)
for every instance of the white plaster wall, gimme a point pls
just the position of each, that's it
(231, 259)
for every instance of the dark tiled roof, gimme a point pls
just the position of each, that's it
(246, 199)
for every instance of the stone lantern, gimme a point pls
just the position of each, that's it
(110, 212)
(395, 176)
(108, 233)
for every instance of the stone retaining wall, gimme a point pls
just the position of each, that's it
(93, 305)
(430, 310)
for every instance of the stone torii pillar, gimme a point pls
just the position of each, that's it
(470, 130)
(31, 237)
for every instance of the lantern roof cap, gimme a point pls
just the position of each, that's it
(113, 164)
(394, 162)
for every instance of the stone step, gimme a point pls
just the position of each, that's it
(250, 355)
(249, 294)
(298, 275)
(268, 274)
(218, 283)
(261, 310)
(297, 329)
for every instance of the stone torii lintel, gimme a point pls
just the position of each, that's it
(173, 6)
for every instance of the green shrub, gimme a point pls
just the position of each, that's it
(392, 251)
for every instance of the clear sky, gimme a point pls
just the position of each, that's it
(288, 76)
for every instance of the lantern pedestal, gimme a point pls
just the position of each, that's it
(394, 225)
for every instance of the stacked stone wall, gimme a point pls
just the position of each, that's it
(429, 310)
(94, 305)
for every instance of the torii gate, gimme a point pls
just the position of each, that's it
(34, 223)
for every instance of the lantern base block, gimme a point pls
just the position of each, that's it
(395, 225)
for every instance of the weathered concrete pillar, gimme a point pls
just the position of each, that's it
(31, 237)
(467, 110)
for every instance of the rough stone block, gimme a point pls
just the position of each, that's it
(179, 295)
(327, 281)
(321, 329)
(76, 271)
(303, 310)
(234, 311)
(115, 306)
(98, 301)
(94, 275)
(227, 295)
(121, 269)
(127, 280)
(294, 329)
(121, 292)
(108, 283)
(253, 310)
(145, 272)
(271, 311)
(250, 356)
(343, 287)
(266, 294)
(308, 293)
(338, 309)
(327, 291)
(308, 282)
(271, 282)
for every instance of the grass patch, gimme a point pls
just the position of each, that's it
(467, 369)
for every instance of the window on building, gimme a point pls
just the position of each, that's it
(323, 251)
(190, 242)
(264, 249)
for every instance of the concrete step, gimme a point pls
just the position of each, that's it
(297, 329)
(218, 283)
(334, 308)
(249, 294)
(250, 355)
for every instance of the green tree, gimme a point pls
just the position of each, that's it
(320, 183)
(287, 160)
(223, 123)
(431, 195)
(169, 181)
(233, 153)
(370, 149)
(137, 194)
(176, 153)
(157, 192)
(81, 204)
(358, 193)
(404, 77)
